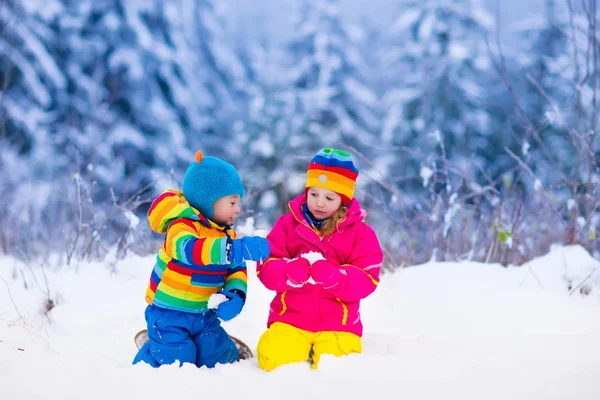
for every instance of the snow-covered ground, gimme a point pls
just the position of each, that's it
(434, 331)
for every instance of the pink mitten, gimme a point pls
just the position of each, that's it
(326, 274)
(298, 271)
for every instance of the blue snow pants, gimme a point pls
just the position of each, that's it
(185, 337)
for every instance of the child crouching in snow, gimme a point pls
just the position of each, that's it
(201, 259)
(316, 308)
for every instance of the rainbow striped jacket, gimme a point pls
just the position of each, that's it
(192, 263)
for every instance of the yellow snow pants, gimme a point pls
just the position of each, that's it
(284, 344)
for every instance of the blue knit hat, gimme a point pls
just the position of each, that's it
(207, 179)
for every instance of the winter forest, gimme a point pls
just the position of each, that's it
(470, 146)
(474, 125)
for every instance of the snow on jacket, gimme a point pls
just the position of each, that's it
(354, 248)
(192, 263)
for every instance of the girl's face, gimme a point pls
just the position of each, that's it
(226, 209)
(322, 203)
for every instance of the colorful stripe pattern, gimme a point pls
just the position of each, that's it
(334, 170)
(169, 206)
(191, 265)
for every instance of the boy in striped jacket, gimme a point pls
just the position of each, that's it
(201, 263)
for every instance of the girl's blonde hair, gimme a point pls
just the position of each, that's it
(332, 223)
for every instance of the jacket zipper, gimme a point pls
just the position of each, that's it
(319, 244)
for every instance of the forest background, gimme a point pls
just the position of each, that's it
(474, 124)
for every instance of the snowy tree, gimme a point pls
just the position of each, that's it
(33, 88)
(315, 94)
(271, 148)
(544, 37)
(217, 65)
(444, 71)
(329, 73)
(440, 133)
(560, 63)
(175, 81)
(128, 87)
(119, 94)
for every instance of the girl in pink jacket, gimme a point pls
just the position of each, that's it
(324, 259)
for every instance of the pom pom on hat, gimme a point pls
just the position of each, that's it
(199, 156)
(334, 170)
(207, 179)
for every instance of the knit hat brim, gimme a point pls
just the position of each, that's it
(209, 179)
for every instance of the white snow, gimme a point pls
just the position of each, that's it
(263, 146)
(133, 219)
(268, 200)
(40, 53)
(127, 58)
(426, 174)
(312, 257)
(459, 51)
(391, 123)
(525, 148)
(261, 232)
(30, 77)
(571, 204)
(434, 331)
(483, 17)
(126, 133)
(216, 299)
(426, 27)
(361, 92)
(295, 183)
(406, 19)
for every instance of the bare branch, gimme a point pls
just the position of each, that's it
(12, 300)
(500, 66)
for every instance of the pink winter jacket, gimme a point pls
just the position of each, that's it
(354, 248)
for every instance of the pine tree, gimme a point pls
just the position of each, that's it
(129, 88)
(329, 74)
(116, 94)
(271, 149)
(315, 96)
(545, 38)
(444, 70)
(560, 62)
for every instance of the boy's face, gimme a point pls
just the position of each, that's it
(226, 209)
(322, 203)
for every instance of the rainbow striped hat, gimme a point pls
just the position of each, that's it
(334, 170)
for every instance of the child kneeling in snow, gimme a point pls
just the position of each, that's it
(201, 259)
(316, 308)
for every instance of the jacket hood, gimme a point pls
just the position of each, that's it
(169, 206)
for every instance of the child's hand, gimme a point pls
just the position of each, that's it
(231, 308)
(326, 274)
(253, 248)
(298, 271)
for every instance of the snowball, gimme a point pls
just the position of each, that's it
(215, 299)
(312, 257)
(261, 232)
